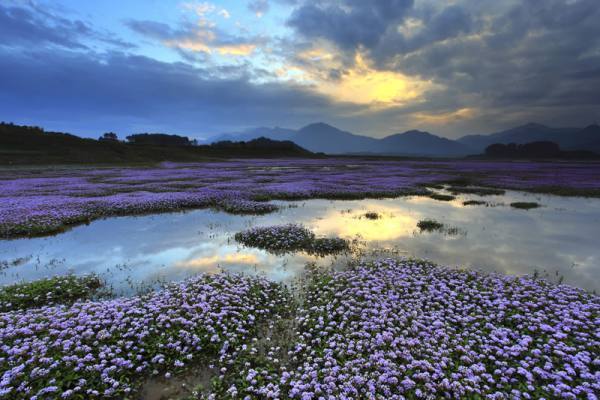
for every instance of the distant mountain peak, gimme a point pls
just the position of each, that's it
(319, 125)
(416, 132)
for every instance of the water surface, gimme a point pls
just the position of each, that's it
(558, 241)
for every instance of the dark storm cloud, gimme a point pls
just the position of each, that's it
(528, 59)
(90, 93)
(348, 23)
(534, 53)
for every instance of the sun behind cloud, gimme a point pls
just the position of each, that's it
(361, 83)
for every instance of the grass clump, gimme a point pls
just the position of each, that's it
(290, 238)
(474, 203)
(325, 246)
(13, 263)
(44, 292)
(372, 215)
(455, 231)
(441, 197)
(525, 205)
(429, 225)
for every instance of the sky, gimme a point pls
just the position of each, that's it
(376, 67)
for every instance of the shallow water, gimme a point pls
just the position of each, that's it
(558, 241)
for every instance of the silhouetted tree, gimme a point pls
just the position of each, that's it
(541, 149)
(109, 136)
(158, 139)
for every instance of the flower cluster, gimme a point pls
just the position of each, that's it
(240, 206)
(279, 238)
(290, 238)
(105, 349)
(384, 329)
(400, 329)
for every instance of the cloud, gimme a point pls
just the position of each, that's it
(534, 54)
(376, 67)
(258, 7)
(511, 61)
(348, 23)
(21, 26)
(198, 36)
(359, 84)
(201, 9)
(91, 93)
(26, 24)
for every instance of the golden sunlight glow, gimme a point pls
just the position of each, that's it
(205, 39)
(190, 45)
(444, 118)
(364, 85)
(236, 50)
(211, 262)
(360, 84)
(395, 223)
(202, 46)
(315, 54)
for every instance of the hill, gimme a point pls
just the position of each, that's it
(32, 145)
(421, 143)
(325, 138)
(261, 146)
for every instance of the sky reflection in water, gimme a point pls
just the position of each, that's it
(559, 239)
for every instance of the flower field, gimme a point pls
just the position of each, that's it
(400, 329)
(105, 349)
(385, 329)
(37, 202)
(392, 328)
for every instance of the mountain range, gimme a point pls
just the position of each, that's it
(321, 137)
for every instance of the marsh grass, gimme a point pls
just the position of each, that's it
(57, 290)
(13, 263)
(525, 205)
(372, 215)
(441, 197)
(429, 225)
(474, 203)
